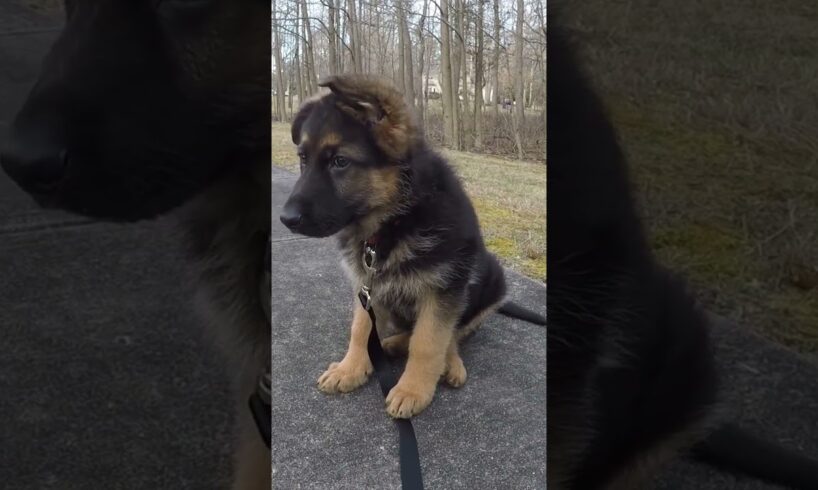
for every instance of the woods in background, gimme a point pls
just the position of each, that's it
(474, 70)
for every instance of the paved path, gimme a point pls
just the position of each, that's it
(468, 438)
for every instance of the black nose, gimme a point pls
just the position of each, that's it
(291, 217)
(37, 167)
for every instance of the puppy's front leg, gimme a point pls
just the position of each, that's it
(431, 337)
(355, 367)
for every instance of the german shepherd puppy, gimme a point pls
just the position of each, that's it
(143, 106)
(631, 376)
(368, 176)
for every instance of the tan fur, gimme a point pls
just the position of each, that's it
(455, 375)
(383, 186)
(396, 345)
(430, 339)
(455, 369)
(329, 140)
(477, 321)
(376, 102)
(355, 368)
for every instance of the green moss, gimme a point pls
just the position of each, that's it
(504, 247)
(708, 252)
(798, 313)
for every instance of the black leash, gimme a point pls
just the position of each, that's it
(411, 476)
(260, 401)
(261, 409)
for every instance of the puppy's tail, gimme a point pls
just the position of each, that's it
(513, 310)
(736, 450)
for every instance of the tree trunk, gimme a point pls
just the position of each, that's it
(478, 79)
(279, 68)
(332, 37)
(519, 114)
(465, 22)
(342, 32)
(446, 75)
(530, 98)
(496, 63)
(309, 61)
(408, 67)
(426, 94)
(422, 47)
(354, 37)
(298, 75)
(401, 49)
(457, 29)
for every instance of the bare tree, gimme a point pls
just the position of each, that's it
(453, 46)
(464, 37)
(422, 48)
(280, 87)
(309, 58)
(496, 61)
(457, 59)
(478, 78)
(447, 86)
(354, 37)
(332, 35)
(519, 103)
(407, 72)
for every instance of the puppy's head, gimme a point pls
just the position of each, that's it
(140, 104)
(353, 144)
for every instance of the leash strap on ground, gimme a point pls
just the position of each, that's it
(410, 474)
(260, 400)
(261, 409)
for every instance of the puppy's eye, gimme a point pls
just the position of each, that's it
(340, 162)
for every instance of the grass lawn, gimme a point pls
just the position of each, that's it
(719, 126)
(509, 197)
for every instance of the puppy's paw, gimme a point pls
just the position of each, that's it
(343, 377)
(396, 345)
(406, 400)
(456, 374)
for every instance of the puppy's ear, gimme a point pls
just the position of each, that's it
(303, 113)
(379, 106)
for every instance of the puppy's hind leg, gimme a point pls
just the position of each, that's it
(396, 345)
(455, 369)
(355, 368)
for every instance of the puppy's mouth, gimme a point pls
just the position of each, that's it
(316, 228)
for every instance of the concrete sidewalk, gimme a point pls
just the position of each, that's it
(487, 434)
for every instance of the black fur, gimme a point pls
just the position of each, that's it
(513, 310)
(140, 105)
(629, 360)
(435, 279)
(430, 204)
(734, 449)
(631, 375)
